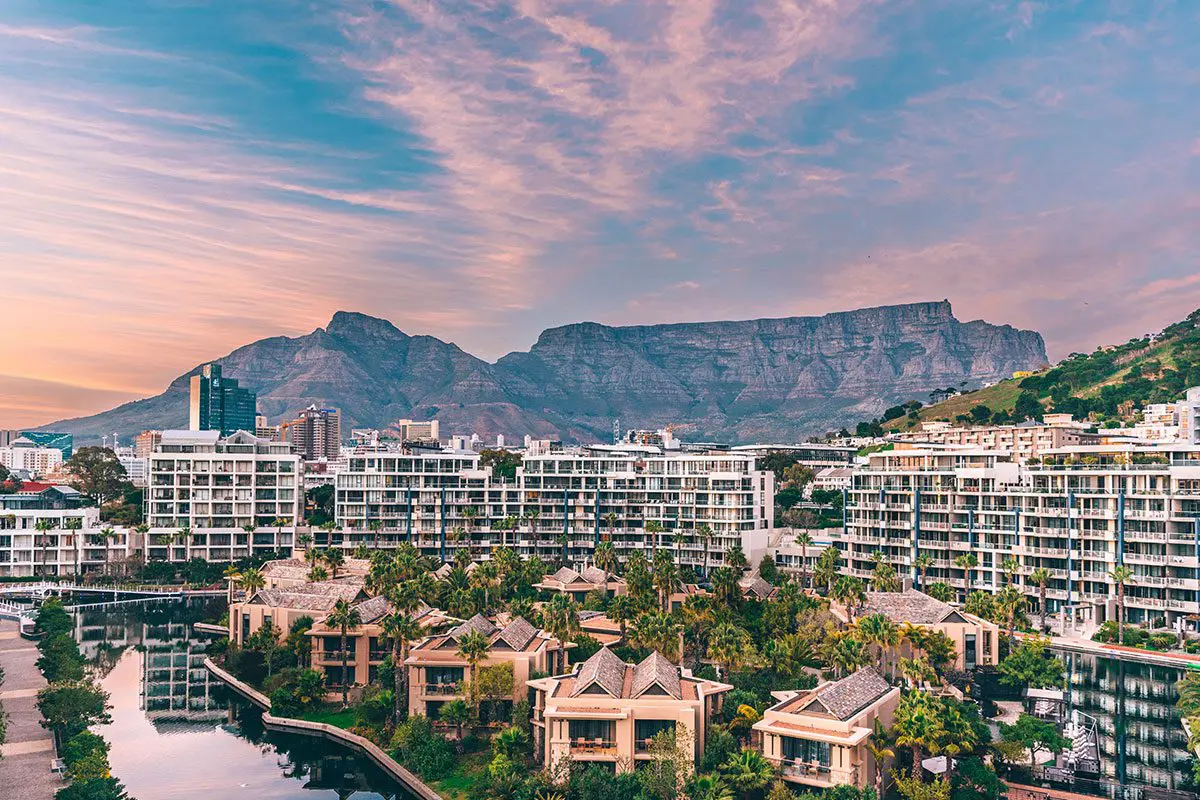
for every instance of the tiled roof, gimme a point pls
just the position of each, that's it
(596, 576)
(517, 633)
(375, 609)
(908, 606)
(476, 623)
(852, 694)
(604, 668)
(656, 670)
(566, 575)
(309, 596)
(756, 586)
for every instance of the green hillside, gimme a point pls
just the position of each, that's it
(1109, 385)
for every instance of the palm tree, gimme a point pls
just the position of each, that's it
(74, 524)
(876, 630)
(1040, 578)
(401, 629)
(659, 632)
(704, 787)
(849, 591)
(725, 587)
(678, 540)
(917, 725)
(1012, 568)
(375, 526)
(231, 575)
(184, 536)
(846, 653)
(880, 748)
(560, 618)
(317, 574)
(44, 526)
(610, 521)
(804, 539)
(967, 562)
(731, 647)
(697, 614)
(826, 570)
(335, 558)
(473, 647)
(605, 557)
(345, 618)
(1120, 576)
(1011, 602)
(278, 524)
(923, 563)
(705, 533)
(666, 577)
(748, 772)
(251, 580)
(621, 610)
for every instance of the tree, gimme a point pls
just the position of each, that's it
(726, 589)
(334, 558)
(940, 591)
(709, 787)
(1027, 407)
(917, 725)
(845, 653)
(670, 767)
(560, 617)
(622, 610)
(735, 557)
(849, 592)
(826, 569)
(457, 713)
(251, 580)
(659, 632)
(1120, 576)
(967, 562)
(1040, 578)
(473, 647)
(43, 527)
(748, 772)
(705, 534)
(73, 707)
(97, 473)
(266, 641)
(401, 629)
(805, 540)
(1034, 734)
(1030, 664)
(731, 647)
(665, 577)
(605, 557)
(879, 745)
(876, 630)
(1011, 603)
(345, 618)
(923, 563)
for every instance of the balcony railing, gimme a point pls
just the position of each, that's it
(593, 746)
(441, 689)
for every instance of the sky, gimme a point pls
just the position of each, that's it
(179, 178)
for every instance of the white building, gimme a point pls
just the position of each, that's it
(137, 470)
(1077, 512)
(222, 499)
(1189, 416)
(45, 530)
(22, 454)
(565, 500)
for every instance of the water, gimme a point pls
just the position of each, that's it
(179, 734)
(1142, 742)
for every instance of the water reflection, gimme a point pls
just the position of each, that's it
(1141, 739)
(179, 734)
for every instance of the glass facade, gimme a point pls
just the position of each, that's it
(218, 403)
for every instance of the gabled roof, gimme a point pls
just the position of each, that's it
(909, 606)
(656, 670)
(320, 596)
(604, 669)
(566, 575)
(597, 576)
(476, 623)
(517, 633)
(845, 698)
(755, 585)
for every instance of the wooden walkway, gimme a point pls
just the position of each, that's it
(30, 749)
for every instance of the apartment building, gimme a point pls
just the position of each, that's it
(436, 673)
(25, 456)
(976, 641)
(560, 505)
(1078, 512)
(819, 738)
(1025, 440)
(221, 498)
(70, 541)
(316, 433)
(608, 712)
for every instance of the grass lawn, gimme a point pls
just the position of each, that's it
(332, 715)
(457, 785)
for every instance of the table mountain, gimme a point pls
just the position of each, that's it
(755, 380)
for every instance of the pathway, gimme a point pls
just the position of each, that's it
(29, 749)
(1081, 645)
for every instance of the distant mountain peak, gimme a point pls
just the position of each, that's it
(355, 325)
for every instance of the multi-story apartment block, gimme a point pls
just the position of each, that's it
(819, 738)
(1078, 512)
(221, 499)
(145, 442)
(559, 505)
(47, 530)
(26, 456)
(315, 434)
(1025, 440)
(607, 711)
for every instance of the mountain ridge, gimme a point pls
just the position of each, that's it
(732, 380)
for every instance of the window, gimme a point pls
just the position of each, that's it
(592, 730)
(969, 651)
(645, 730)
(806, 752)
(443, 676)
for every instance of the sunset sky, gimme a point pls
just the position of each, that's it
(180, 178)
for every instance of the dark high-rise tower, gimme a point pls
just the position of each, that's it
(219, 404)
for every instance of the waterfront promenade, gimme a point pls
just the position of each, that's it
(29, 749)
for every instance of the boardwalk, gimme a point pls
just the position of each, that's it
(27, 754)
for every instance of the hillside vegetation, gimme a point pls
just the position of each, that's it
(1110, 385)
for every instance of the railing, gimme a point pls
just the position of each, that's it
(441, 689)
(336, 655)
(593, 746)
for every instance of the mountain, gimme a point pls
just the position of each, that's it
(755, 380)
(1110, 385)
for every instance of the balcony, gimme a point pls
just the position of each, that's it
(816, 774)
(593, 747)
(441, 689)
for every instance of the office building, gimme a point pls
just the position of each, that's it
(145, 442)
(410, 430)
(219, 403)
(315, 434)
(607, 711)
(232, 496)
(62, 442)
(137, 468)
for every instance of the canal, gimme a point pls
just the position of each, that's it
(178, 734)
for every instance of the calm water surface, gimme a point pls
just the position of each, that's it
(178, 734)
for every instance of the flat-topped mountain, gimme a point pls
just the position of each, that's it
(753, 380)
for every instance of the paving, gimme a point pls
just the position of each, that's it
(29, 748)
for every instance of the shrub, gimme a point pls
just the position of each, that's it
(60, 659)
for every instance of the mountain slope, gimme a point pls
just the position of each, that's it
(742, 381)
(1111, 384)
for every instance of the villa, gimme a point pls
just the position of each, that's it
(282, 607)
(608, 711)
(579, 584)
(819, 737)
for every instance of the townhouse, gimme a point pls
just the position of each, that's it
(818, 738)
(607, 711)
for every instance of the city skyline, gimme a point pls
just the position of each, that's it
(185, 180)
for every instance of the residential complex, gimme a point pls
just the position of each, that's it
(1077, 511)
(46, 530)
(1024, 441)
(23, 455)
(819, 738)
(608, 711)
(220, 404)
(221, 499)
(560, 505)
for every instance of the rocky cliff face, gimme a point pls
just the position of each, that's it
(757, 380)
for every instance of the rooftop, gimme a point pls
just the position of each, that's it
(908, 606)
(842, 699)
